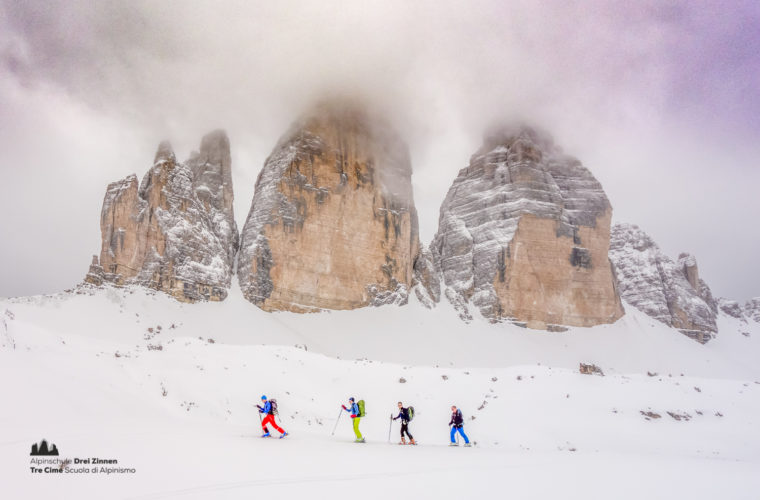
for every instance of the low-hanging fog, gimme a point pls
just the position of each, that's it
(661, 100)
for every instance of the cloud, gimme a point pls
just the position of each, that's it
(659, 100)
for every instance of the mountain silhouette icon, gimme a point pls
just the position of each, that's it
(42, 449)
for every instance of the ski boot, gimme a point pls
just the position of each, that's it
(467, 445)
(283, 435)
(412, 441)
(266, 435)
(453, 444)
(359, 440)
(403, 440)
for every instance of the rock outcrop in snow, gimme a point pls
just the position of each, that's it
(752, 309)
(669, 291)
(174, 231)
(333, 223)
(523, 235)
(731, 308)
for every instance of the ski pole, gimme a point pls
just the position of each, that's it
(336, 422)
(390, 424)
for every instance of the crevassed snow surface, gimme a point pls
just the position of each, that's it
(84, 372)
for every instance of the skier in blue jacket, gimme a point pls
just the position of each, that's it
(354, 412)
(269, 418)
(456, 423)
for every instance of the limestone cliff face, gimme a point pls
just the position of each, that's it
(212, 184)
(523, 235)
(669, 291)
(333, 223)
(175, 231)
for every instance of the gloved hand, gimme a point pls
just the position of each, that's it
(344, 407)
(259, 407)
(353, 416)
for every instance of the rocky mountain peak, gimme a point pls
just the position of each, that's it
(669, 291)
(688, 264)
(333, 223)
(215, 147)
(521, 139)
(523, 235)
(174, 232)
(165, 152)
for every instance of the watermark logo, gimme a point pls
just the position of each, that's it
(46, 460)
(42, 449)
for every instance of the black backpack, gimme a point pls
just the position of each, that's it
(458, 418)
(273, 402)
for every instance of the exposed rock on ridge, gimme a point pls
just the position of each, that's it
(731, 308)
(175, 231)
(668, 291)
(523, 235)
(333, 223)
(752, 309)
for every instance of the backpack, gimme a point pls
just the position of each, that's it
(360, 404)
(273, 402)
(410, 412)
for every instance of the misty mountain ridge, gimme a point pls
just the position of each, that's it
(524, 233)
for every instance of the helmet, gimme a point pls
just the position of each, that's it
(350, 399)
(263, 398)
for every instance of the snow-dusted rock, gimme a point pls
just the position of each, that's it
(688, 265)
(669, 291)
(426, 284)
(332, 224)
(752, 309)
(523, 234)
(212, 183)
(175, 231)
(731, 308)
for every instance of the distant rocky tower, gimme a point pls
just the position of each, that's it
(333, 223)
(669, 291)
(523, 235)
(175, 231)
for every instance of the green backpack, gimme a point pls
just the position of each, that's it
(410, 412)
(360, 404)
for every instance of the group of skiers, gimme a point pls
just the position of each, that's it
(356, 412)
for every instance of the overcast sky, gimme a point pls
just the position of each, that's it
(661, 100)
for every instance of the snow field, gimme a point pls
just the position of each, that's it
(180, 409)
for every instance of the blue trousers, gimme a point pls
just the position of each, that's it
(454, 430)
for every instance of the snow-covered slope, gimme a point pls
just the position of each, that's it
(127, 374)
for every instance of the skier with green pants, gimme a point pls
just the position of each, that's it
(353, 410)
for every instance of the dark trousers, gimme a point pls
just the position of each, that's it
(405, 428)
